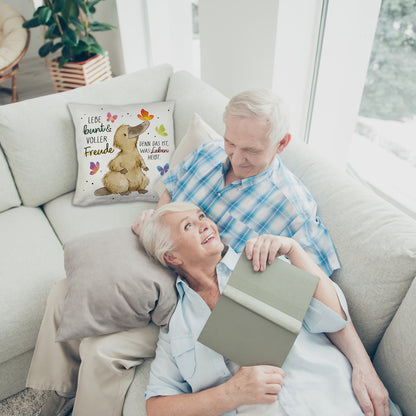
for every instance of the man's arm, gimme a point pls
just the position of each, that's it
(368, 388)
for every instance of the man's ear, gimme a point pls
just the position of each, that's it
(172, 259)
(283, 143)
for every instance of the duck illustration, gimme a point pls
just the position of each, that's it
(126, 169)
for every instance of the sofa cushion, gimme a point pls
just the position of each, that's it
(113, 286)
(135, 138)
(48, 131)
(9, 196)
(394, 359)
(192, 95)
(70, 221)
(374, 241)
(31, 261)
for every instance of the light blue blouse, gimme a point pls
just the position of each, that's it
(317, 375)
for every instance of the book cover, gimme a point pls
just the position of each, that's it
(259, 314)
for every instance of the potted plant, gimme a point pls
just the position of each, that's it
(68, 30)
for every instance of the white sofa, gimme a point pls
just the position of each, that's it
(376, 243)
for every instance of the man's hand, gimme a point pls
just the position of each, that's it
(141, 219)
(255, 385)
(264, 249)
(370, 392)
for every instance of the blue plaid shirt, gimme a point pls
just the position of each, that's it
(273, 202)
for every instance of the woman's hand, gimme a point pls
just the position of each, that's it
(264, 249)
(255, 385)
(141, 219)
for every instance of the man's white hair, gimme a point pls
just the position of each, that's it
(261, 104)
(156, 235)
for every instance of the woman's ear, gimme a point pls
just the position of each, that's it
(170, 258)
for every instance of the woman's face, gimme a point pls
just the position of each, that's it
(195, 236)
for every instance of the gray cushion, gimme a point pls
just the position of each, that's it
(9, 196)
(375, 242)
(113, 286)
(31, 261)
(43, 127)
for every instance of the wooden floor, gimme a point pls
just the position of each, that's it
(33, 80)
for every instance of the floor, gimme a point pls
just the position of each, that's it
(33, 80)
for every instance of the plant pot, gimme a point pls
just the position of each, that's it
(78, 74)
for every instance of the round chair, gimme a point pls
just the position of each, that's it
(14, 42)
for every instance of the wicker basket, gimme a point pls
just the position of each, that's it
(78, 74)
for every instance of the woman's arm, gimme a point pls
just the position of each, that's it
(250, 385)
(165, 198)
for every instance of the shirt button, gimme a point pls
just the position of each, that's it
(219, 194)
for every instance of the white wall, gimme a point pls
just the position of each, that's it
(238, 42)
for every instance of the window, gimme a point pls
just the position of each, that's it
(383, 147)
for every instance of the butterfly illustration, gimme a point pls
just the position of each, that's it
(111, 118)
(144, 115)
(161, 131)
(163, 170)
(94, 167)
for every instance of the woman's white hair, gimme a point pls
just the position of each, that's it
(261, 103)
(156, 235)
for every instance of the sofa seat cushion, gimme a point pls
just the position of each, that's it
(9, 196)
(48, 131)
(70, 221)
(31, 261)
(375, 242)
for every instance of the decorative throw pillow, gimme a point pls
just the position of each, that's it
(113, 285)
(198, 133)
(122, 150)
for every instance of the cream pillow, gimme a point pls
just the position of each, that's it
(198, 132)
(121, 150)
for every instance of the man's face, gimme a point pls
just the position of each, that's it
(248, 146)
(195, 236)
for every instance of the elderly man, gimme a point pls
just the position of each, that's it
(242, 185)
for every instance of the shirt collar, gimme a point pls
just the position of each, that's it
(224, 269)
(252, 180)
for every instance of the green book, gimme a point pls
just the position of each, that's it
(259, 314)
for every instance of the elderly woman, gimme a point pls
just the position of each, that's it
(188, 378)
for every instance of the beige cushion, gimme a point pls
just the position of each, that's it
(394, 359)
(9, 196)
(54, 169)
(191, 95)
(375, 242)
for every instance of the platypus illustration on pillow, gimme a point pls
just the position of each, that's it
(126, 169)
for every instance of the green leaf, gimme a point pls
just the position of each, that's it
(58, 5)
(100, 27)
(96, 48)
(57, 46)
(52, 31)
(77, 23)
(62, 61)
(70, 37)
(44, 15)
(34, 22)
(45, 49)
